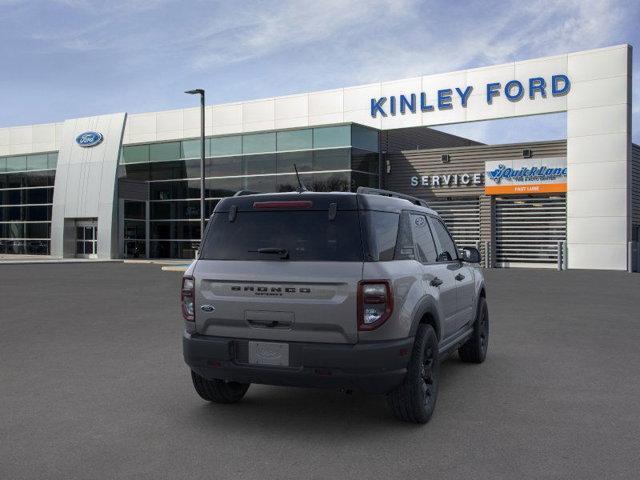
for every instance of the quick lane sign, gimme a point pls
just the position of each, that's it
(446, 99)
(526, 175)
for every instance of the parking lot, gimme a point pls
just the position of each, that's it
(92, 385)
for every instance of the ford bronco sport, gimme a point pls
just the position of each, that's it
(357, 291)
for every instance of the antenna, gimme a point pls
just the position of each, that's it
(301, 187)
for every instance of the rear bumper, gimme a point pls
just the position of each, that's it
(374, 367)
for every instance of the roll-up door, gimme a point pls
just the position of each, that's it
(462, 218)
(528, 230)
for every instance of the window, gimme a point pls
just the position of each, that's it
(339, 159)
(37, 162)
(134, 210)
(191, 148)
(302, 160)
(135, 154)
(52, 160)
(257, 164)
(261, 184)
(223, 187)
(327, 137)
(305, 235)
(174, 210)
(444, 243)
(160, 152)
(295, 140)
(382, 234)
(364, 161)
(223, 146)
(16, 164)
(328, 182)
(175, 230)
(364, 138)
(422, 239)
(259, 143)
(224, 166)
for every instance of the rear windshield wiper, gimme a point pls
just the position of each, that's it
(283, 252)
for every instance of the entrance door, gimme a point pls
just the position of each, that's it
(87, 239)
(528, 230)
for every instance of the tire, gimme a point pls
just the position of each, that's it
(219, 391)
(415, 400)
(475, 349)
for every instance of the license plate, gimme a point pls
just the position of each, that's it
(269, 353)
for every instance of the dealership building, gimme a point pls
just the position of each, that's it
(127, 185)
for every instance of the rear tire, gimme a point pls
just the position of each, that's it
(475, 349)
(415, 400)
(219, 391)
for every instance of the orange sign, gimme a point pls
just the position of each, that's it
(525, 189)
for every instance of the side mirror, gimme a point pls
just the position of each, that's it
(471, 255)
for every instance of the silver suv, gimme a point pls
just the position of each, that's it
(357, 291)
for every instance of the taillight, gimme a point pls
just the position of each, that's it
(375, 303)
(187, 298)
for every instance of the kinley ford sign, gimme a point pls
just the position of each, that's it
(445, 99)
(504, 177)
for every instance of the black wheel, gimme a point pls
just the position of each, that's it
(219, 391)
(415, 400)
(475, 349)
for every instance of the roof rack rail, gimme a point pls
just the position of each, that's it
(389, 193)
(242, 193)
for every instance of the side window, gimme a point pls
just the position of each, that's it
(425, 248)
(444, 243)
(405, 249)
(383, 228)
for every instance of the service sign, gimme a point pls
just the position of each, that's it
(525, 176)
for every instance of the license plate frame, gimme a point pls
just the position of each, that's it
(275, 354)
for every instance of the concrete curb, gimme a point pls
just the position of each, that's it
(175, 268)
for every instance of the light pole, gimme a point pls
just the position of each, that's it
(200, 91)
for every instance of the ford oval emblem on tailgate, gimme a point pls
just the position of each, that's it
(207, 308)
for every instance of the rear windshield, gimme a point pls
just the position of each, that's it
(300, 235)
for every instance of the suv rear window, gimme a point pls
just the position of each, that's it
(305, 236)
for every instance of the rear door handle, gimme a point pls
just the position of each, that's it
(459, 277)
(436, 282)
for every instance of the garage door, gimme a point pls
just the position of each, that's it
(528, 230)
(462, 217)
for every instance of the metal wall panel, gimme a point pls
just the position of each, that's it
(462, 217)
(529, 228)
(635, 184)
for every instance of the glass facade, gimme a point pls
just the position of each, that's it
(333, 158)
(26, 197)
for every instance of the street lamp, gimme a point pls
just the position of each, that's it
(200, 91)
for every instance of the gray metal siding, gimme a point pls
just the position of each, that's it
(466, 159)
(471, 159)
(415, 138)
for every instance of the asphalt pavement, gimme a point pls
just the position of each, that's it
(93, 386)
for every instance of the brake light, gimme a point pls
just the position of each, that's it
(187, 298)
(284, 204)
(375, 303)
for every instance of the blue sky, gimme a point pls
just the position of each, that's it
(72, 58)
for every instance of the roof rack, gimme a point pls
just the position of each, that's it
(242, 193)
(389, 193)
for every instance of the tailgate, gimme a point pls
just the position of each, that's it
(278, 300)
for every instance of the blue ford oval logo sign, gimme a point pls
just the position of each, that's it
(89, 139)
